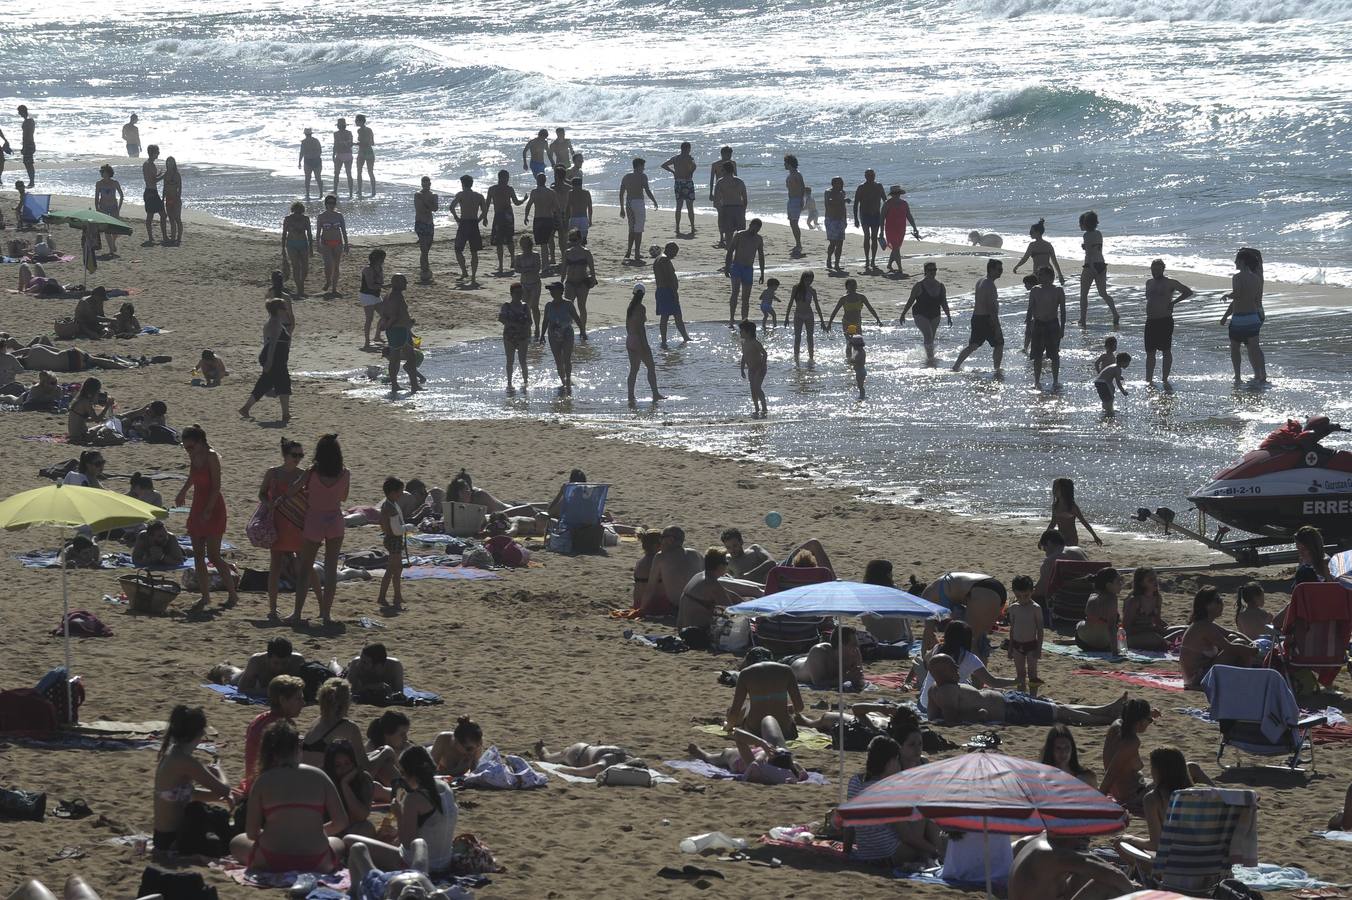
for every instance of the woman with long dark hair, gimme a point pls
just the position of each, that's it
(1059, 750)
(326, 484)
(1066, 512)
(277, 485)
(1245, 313)
(424, 808)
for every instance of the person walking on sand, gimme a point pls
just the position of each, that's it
(731, 199)
(366, 154)
(207, 516)
(754, 364)
(579, 209)
(1047, 317)
(868, 206)
(298, 246)
(929, 297)
(636, 345)
(537, 149)
(1161, 296)
(668, 293)
(502, 197)
(1095, 271)
(745, 248)
(311, 159)
(397, 323)
(835, 222)
(575, 170)
(986, 318)
(368, 294)
(1245, 313)
(797, 190)
(275, 358)
(472, 212)
(853, 304)
(802, 301)
(562, 192)
(108, 199)
(560, 316)
(896, 214)
(27, 143)
(173, 200)
(425, 204)
(131, 136)
(560, 149)
(545, 204)
(516, 325)
(326, 485)
(342, 156)
(333, 243)
(150, 198)
(633, 187)
(579, 275)
(717, 169)
(682, 167)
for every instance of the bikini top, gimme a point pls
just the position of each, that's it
(319, 745)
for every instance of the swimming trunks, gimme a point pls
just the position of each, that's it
(1244, 326)
(544, 230)
(314, 163)
(425, 229)
(668, 304)
(685, 189)
(1159, 334)
(396, 337)
(581, 223)
(468, 233)
(504, 227)
(795, 207)
(133, 149)
(638, 215)
(366, 299)
(152, 202)
(731, 218)
(1021, 709)
(1105, 391)
(870, 220)
(367, 153)
(1031, 649)
(767, 304)
(299, 245)
(835, 229)
(1046, 338)
(739, 272)
(537, 166)
(986, 330)
(342, 157)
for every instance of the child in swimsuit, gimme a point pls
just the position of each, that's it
(810, 207)
(754, 365)
(212, 369)
(855, 357)
(1025, 633)
(767, 304)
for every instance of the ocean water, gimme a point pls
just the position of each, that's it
(1192, 126)
(963, 442)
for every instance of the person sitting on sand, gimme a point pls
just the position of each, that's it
(335, 703)
(149, 423)
(758, 760)
(1141, 618)
(672, 569)
(457, 752)
(286, 698)
(1098, 630)
(766, 700)
(294, 811)
(89, 420)
(586, 760)
(45, 396)
(901, 843)
(424, 808)
(955, 703)
(750, 562)
(1251, 619)
(88, 471)
(985, 239)
(1052, 867)
(818, 667)
(1053, 547)
(650, 539)
(1169, 773)
(462, 490)
(125, 324)
(181, 778)
(702, 599)
(386, 738)
(212, 368)
(375, 674)
(1122, 762)
(1060, 751)
(155, 546)
(344, 766)
(1206, 644)
(278, 659)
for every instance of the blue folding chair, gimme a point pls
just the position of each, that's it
(35, 206)
(580, 511)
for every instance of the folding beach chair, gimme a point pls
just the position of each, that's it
(790, 635)
(1316, 631)
(1206, 831)
(1069, 587)
(580, 512)
(1258, 715)
(35, 206)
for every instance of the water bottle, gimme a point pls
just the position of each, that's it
(713, 840)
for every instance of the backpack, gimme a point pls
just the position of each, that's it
(471, 856)
(630, 776)
(82, 623)
(314, 674)
(204, 831)
(26, 710)
(175, 885)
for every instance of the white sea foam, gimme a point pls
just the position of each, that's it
(1258, 11)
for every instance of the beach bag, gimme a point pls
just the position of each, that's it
(732, 634)
(696, 637)
(587, 538)
(204, 831)
(26, 710)
(294, 507)
(261, 530)
(161, 434)
(507, 552)
(23, 806)
(367, 559)
(314, 674)
(82, 623)
(67, 703)
(626, 775)
(147, 593)
(175, 885)
(66, 329)
(858, 735)
(471, 856)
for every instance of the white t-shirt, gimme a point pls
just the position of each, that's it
(75, 476)
(970, 665)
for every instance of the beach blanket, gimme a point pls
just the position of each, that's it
(230, 692)
(51, 559)
(1337, 731)
(803, 842)
(336, 881)
(806, 740)
(46, 438)
(80, 742)
(1144, 657)
(891, 681)
(709, 770)
(1344, 837)
(1272, 877)
(553, 769)
(448, 573)
(1141, 679)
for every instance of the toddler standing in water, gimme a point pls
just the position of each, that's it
(1025, 634)
(767, 304)
(1109, 354)
(754, 364)
(855, 357)
(810, 207)
(1252, 620)
(1108, 377)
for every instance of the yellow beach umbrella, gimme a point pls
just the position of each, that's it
(67, 506)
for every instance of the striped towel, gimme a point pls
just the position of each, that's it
(1196, 844)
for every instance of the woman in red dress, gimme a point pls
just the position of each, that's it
(278, 482)
(206, 518)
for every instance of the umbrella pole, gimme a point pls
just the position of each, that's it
(65, 620)
(986, 856)
(840, 684)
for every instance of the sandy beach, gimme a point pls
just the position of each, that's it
(533, 654)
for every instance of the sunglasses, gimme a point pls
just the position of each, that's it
(296, 455)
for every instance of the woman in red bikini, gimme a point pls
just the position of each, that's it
(206, 518)
(294, 811)
(326, 482)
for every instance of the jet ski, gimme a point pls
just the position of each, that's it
(1289, 481)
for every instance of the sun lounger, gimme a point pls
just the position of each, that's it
(1258, 714)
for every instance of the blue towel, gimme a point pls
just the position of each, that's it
(230, 692)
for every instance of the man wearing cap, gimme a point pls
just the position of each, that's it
(312, 160)
(668, 292)
(868, 203)
(342, 155)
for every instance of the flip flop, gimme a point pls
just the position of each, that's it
(72, 809)
(66, 853)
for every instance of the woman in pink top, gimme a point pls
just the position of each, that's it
(326, 484)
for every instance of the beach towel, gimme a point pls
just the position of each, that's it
(1144, 657)
(230, 692)
(58, 741)
(891, 681)
(336, 881)
(46, 438)
(494, 770)
(1142, 679)
(553, 769)
(448, 573)
(1253, 695)
(1344, 837)
(806, 740)
(709, 770)
(1272, 877)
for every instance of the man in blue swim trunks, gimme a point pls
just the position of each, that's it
(868, 215)
(797, 189)
(955, 703)
(469, 209)
(682, 167)
(668, 292)
(538, 151)
(745, 248)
